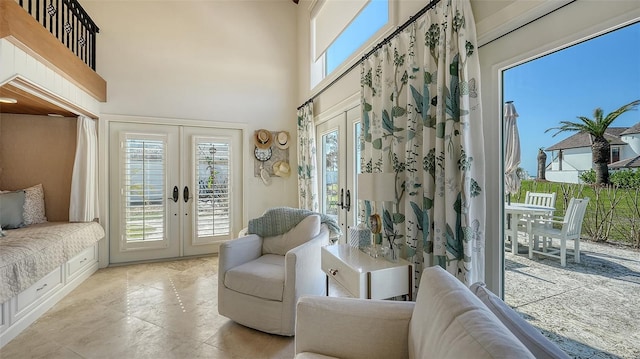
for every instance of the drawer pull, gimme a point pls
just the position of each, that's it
(333, 271)
(41, 288)
(84, 260)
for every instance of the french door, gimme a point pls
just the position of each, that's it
(339, 164)
(174, 190)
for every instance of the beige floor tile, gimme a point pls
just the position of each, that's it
(151, 310)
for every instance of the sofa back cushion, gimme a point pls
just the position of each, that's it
(308, 228)
(449, 321)
(532, 338)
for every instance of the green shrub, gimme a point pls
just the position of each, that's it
(626, 179)
(588, 177)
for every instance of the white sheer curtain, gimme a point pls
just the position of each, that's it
(83, 206)
(422, 121)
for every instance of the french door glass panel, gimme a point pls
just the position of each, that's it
(143, 188)
(143, 215)
(213, 210)
(339, 165)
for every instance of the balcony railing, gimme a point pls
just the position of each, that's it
(69, 23)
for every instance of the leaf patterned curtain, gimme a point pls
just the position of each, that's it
(307, 171)
(422, 121)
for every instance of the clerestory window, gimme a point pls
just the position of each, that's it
(340, 30)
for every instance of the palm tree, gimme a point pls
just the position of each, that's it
(596, 127)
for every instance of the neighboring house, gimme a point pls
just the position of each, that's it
(572, 156)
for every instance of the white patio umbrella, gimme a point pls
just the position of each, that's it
(511, 151)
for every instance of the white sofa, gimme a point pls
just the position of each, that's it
(260, 279)
(448, 320)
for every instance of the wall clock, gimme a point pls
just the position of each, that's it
(263, 154)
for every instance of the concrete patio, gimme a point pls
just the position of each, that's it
(591, 309)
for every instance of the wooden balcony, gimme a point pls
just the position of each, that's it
(25, 32)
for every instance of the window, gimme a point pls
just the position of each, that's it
(212, 174)
(143, 187)
(615, 154)
(340, 29)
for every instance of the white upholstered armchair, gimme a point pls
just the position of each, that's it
(260, 279)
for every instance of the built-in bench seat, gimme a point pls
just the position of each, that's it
(39, 265)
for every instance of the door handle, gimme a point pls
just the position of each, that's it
(341, 204)
(185, 194)
(176, 194)
(347, 205)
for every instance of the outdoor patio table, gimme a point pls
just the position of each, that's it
(523, 211)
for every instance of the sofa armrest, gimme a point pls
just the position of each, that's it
(353, 328)
(238, 251)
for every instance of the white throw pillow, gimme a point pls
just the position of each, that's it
(272, 245)
(34, 205)
(308, 228)
(302, 233)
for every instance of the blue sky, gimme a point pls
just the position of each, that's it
(603, 72)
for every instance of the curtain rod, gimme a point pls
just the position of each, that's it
(386, 40)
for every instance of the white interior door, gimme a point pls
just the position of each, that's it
(174, 190)
(339, 164)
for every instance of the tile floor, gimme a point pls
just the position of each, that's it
(169, 310)
(152, 310)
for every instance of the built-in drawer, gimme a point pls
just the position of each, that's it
(4, 316)
(347, 277)
(32, 295)
(81, 261)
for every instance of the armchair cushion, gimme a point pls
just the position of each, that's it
(309, 227)
(262, 277)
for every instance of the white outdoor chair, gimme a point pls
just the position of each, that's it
(571, 228)
(540, 199)
(536, 199)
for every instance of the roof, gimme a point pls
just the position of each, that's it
(632, 130)
(583, 139)
(633, 162)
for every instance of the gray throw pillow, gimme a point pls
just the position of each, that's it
(530, 336)
(11, 208)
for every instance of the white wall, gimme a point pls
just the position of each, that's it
(564, 176)
(573, 159)
(634, 146)
(222, 61)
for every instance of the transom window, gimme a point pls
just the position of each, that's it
(341, 29)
